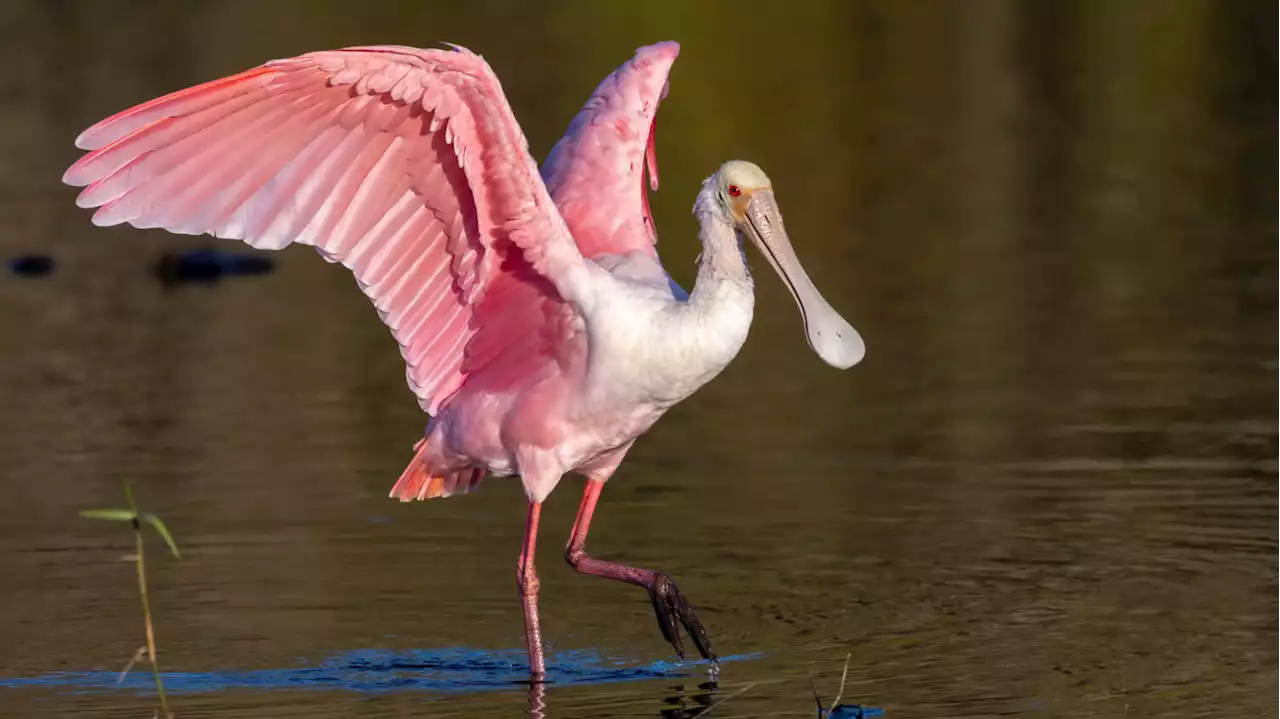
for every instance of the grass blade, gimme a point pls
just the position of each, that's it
(128, 496)
(111, 515)
(154, 521)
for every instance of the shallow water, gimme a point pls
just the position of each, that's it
(1050, 489)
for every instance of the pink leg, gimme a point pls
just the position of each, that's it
(528, 580)
(668, 603)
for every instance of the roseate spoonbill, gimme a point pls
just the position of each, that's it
(541, 335)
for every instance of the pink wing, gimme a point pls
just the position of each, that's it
(405, 165)
(595, 173)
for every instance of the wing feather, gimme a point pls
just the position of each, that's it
(405, 165)
(595, 173)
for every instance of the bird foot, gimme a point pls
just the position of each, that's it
(670, 606)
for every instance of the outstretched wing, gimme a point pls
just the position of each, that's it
(405, 165)
(595, 173)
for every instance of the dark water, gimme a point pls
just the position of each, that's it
(1050, 489)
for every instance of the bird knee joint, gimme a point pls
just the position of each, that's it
(574, 554)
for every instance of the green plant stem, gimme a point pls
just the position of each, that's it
(146, 613)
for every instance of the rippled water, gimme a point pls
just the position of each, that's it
(1051, 488)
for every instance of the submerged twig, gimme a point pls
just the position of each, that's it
(843, 676)
(813, 687)
(142, 652)
(822, 713)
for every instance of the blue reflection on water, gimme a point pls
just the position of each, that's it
(853, 711)
(375, 670)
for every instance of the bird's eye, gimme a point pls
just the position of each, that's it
(735, 191)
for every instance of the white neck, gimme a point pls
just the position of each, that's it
(722, 266)
(713, 323)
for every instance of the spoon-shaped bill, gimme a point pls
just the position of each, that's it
(835, 341)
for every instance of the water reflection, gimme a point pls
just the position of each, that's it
(538, 700)
(686, 705)
(451, 671)
(376, 671)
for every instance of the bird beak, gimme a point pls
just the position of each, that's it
(835, 341)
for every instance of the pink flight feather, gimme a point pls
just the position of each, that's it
(405, 165)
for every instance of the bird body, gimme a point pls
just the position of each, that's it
(538, 327)
(648, 349)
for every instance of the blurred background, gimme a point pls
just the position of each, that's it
(1050, 489)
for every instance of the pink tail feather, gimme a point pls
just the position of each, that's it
(417, 483)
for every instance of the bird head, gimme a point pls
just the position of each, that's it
(745, 198)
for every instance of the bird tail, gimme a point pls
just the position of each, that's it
(417, 483)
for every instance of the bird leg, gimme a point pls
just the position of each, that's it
(669, 603)
(527, 577)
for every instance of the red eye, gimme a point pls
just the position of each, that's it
(735, 191)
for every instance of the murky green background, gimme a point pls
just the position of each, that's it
(1049, 490)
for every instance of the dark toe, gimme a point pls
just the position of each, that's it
(670, 605)
(661, 593)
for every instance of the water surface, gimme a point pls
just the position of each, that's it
(1049, 490)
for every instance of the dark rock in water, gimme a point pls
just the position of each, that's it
(200, 266)
(31, 265)
(210, 265)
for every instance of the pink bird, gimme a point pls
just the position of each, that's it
(539, 329)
